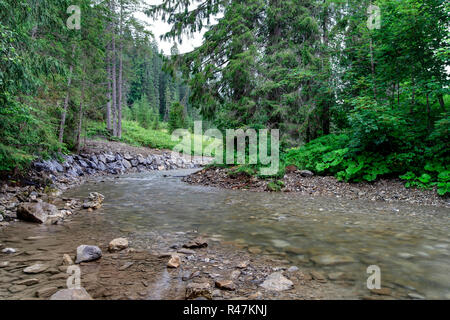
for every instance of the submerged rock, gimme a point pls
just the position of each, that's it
(118, 244)
(277, 282)
(27, 282)
(35, 268)
(196, 243)
(46, 292)
(198, 290)
(95, 201)
(71, 294)
(67, 260)
(87, 253)
(330, 260)
(226, 285)
(37, 212)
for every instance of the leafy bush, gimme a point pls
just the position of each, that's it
(176, 117)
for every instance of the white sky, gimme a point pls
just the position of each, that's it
(158, 27)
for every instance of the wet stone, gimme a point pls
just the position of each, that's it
(46, 292)
(198, 290)
(17, 288)
(36, 268)
(27, 282)
(330, 260)
(277, 282)
(226, 285)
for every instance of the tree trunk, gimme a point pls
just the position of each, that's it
(108, 93)
(441, 102)
(113, 75)
(66, 103)
(80, 118)
(413, 98)
(428, 112)
(120, 83)
(325, 59)
(372, 65)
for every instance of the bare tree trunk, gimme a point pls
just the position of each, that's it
(80, 118)
(66, 103)
(120, 84)
(413, 98)
(441, 102)
(108, 95)
(326, 106)
(113, 76)
(372, 65)
(428, 112)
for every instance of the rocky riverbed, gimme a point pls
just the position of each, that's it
(34, 265)
(305, 182)
(46, 179)
(174, 266)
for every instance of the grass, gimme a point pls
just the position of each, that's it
(135, 135)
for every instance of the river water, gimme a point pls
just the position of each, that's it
(410, 244)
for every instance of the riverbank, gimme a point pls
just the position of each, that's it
(305, 182)
(47, 179)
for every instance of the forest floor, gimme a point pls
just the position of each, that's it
(388, 190)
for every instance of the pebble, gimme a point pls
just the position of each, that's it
(293, 269)
(186, 251)
(9, 250)
(226, 285)
(27, 282)
(35, 268)
(46, 292)
(316, 275)
(382, 291)
(416, 296)
(16, 288)
(277, 282)
(174, 262)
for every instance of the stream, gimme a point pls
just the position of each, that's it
(410, 244)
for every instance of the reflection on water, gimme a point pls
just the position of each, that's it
(410, 244)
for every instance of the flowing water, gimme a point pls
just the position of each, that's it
(410, 244)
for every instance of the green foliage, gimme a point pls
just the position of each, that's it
(176, 117)
(275, 186)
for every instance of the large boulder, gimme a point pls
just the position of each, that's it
(37, 212)
(71, 294)
(87, 253)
